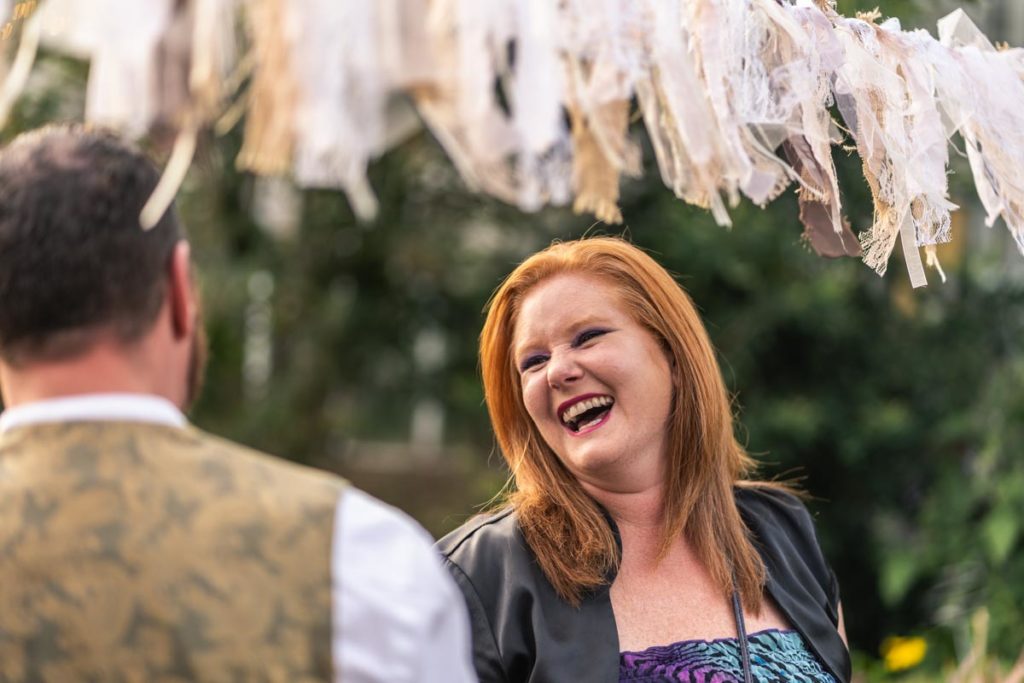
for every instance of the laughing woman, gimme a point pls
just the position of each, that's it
(633, 547)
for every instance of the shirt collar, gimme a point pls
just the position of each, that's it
(95, 407)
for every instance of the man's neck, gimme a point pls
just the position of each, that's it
(101, 370)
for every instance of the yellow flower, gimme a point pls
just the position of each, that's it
(903, 653)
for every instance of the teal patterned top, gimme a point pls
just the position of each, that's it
(775, 656)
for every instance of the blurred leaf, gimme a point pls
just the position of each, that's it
(1000, 531)
(898, 572)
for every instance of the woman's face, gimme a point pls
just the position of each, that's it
(597, 385)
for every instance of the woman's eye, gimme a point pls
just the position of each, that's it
(585, 336)
(531, 361)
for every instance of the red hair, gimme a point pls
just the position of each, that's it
(566, 529)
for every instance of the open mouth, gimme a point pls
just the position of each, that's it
(586, 413)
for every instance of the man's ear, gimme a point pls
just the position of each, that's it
(180, 292)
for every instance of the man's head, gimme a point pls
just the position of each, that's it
(76, 268)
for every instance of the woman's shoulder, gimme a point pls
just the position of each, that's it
(772, 504)
(784, 532)
(781, 524)
(490, 555)
(522, 630)
(483, 535)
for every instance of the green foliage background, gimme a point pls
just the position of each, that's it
(901, 411)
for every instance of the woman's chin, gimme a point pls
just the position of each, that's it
(595, 464)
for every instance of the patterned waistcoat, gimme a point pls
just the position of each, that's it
(137, 552)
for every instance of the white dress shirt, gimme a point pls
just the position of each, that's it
(397, 615)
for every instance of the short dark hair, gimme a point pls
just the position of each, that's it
(74, 260)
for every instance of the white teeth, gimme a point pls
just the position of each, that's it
(583, 406)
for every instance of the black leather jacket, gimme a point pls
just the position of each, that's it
(524, 633)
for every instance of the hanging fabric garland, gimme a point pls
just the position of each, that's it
(532, 99)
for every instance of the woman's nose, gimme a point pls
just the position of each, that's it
(563, 369)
